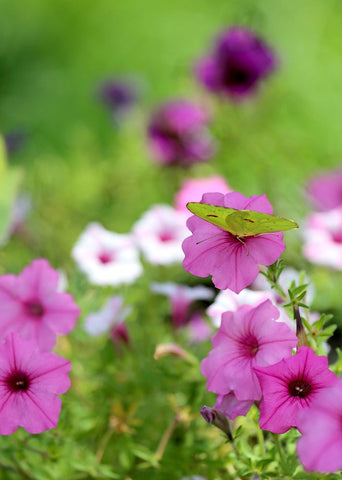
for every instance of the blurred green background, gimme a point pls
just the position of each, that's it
(79, 167)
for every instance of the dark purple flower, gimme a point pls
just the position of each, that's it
(178, 135)
(239, 61)
(14, 140)
(119, 95)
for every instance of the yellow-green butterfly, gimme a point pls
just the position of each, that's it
(242, 223)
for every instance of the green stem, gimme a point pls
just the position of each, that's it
(260, 436)
(278, 447)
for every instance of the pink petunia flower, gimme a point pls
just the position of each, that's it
(29, 384)
(319, 449)
(289, 387)
(325, 190)
(245, 339)
(107, 258)
(159, 234)
(198, 329)
(323, 238)
(193, 189)
(232, 262)
(181, 297)
(231, 407)
(32, 305)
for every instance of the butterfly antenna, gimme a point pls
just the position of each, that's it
(205, 239)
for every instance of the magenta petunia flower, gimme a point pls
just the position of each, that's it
(178, 134)
(239, 61)
(29, 384)
(232, 262)
(245, 339)
(319, 449)
(31, 305)
(192, 190)
(289, 387)
(325, 190)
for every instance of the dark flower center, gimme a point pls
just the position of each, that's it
(249, 346)
(105, 257)
(35, 308)
(337, 237)
(299, 388)
(166, 236)
(237, 76)
(18, 381)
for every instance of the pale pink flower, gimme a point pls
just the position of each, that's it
(227, 300)
(32, 305)
(198, 329)
(323, 238)
(112, 313)
(159, 234)
(181, 298)
(246, 338)
(325, 190)
(192, 190)
(29, 384)
(107, 258)
(290, 386)
(319, 449)
(233, 263)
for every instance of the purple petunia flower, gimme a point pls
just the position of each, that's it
(32, 305)
(29, 384)
(119, 95)
(245, 339)
(319, 449)
(290, 387)
(233, 263)
(239, 61)
(177, 134)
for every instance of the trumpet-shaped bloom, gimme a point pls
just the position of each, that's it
(323, 238)
(319, 449)
(231, 407)
(232, 262)
(178, 134)
(112, 314)
(245, 339)
(325, 190)
(290, 387)
(29, 384)
(159, 234)
(239, 61)
(107, 258)
(181, 298)
(193, 189)
(31, 305)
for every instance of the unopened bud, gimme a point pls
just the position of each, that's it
(165, 349)
(217, 418)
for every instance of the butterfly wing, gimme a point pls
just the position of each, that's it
(246, 223)
(242, 223)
